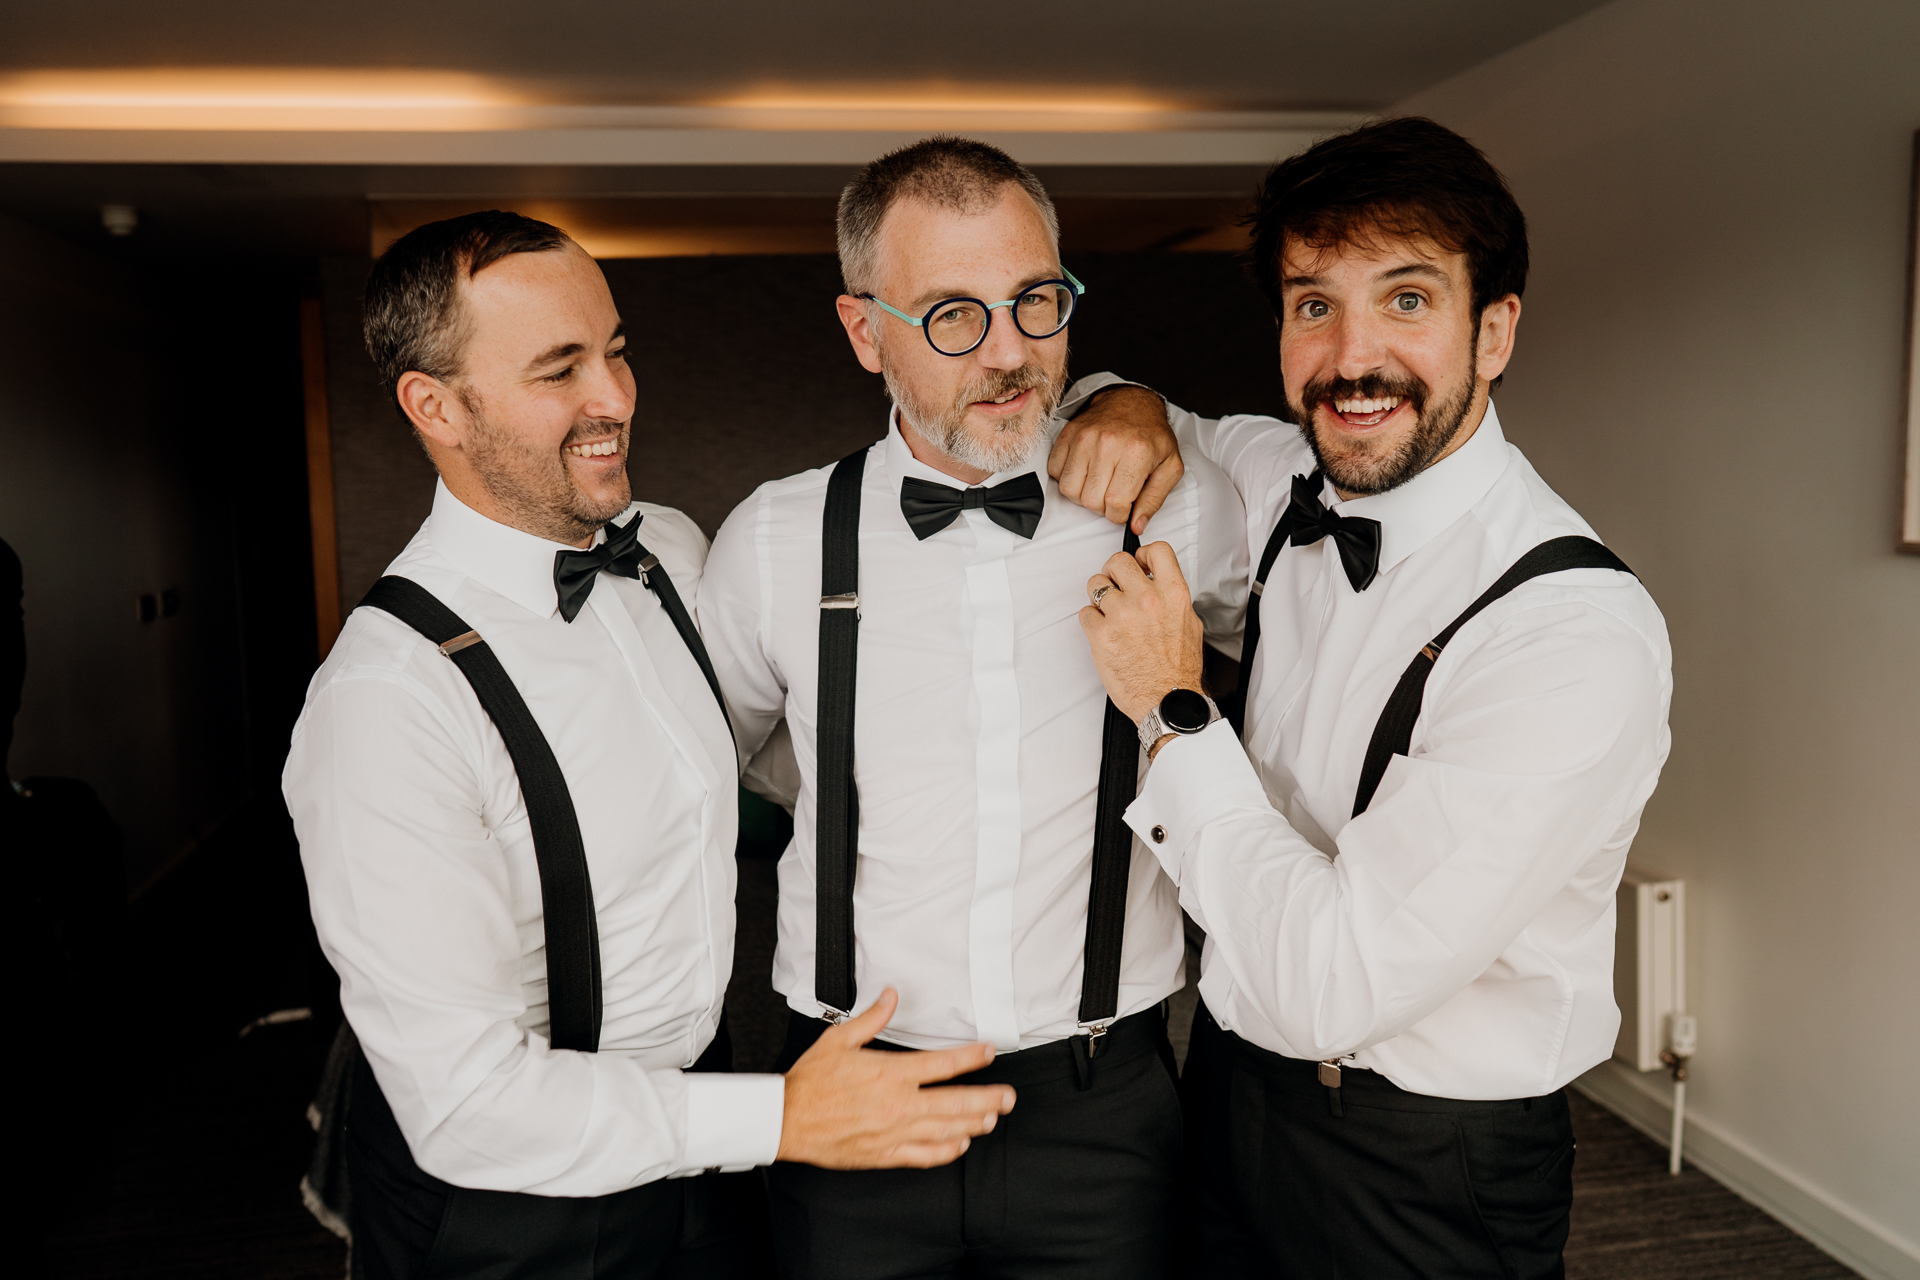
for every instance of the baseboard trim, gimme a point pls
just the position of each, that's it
(1644, 1102)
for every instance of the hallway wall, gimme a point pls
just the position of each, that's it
(96, 496)
(1709, 368)
(149, 440)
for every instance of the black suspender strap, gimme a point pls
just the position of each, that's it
(566, 893)
(1112, 857)
(1393, 734)
(1236, 711)
(836, 849)
(837, 821)
(656, 580)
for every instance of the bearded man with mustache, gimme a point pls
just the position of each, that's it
(909, 614)
(1404, 843)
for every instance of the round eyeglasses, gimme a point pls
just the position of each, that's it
(956, 326)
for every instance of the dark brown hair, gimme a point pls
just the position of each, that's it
(411, 314)
(1407, 177)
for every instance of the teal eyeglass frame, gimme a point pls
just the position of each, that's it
(1079, 291)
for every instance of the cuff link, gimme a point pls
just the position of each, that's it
(1159, 835)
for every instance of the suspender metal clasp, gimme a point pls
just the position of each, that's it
(1095, 1030)
(850, 600)
(647, 565)
(835, 1016)
(459, 642)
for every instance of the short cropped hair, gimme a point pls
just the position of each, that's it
(953, 173)
(1405, 177)
(411, 314)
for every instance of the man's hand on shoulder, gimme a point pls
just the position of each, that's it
(1118, 455)
(850, 1107)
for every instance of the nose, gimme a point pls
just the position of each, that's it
(1359, 346)
(610, 392)
(1004, 347)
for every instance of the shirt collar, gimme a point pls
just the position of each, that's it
(517, 565)
(901, 463)
(1411, 515)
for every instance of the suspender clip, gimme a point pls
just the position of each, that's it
(832, 1015)
(850, 600)
(460, 642)
(1095, 1030)
(1259, 587)
(651, 562)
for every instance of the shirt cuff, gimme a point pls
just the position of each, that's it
(1086, 388)
(1193, 779)
(733, 1121)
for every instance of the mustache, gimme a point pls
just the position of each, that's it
(1372, 386)
(994, 383)
(588, 429)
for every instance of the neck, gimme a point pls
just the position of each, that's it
(933, 456)
(548, 525)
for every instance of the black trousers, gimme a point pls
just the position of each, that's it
(409, 1225)
(1396, 1184)
(1073, 1183)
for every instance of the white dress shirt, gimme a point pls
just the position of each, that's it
(426, 892)
(977, 735)
(1458, 936)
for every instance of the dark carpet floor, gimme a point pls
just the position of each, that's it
(197, 1174)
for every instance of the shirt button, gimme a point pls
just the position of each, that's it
(1159, 835)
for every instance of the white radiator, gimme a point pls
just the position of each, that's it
(1649, 963)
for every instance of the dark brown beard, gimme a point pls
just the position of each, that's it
(533, 486)
(1362, 472)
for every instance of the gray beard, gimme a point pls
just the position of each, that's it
(946, 428)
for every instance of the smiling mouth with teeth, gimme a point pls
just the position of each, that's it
(597, 450)
(1367, 411)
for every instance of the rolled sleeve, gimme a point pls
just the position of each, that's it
(1193, 781)
(733, 1121)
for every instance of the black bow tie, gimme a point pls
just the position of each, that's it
(574, 572)
(1357, 537)
(930, 507)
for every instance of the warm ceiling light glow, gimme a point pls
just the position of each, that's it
(944, 98)
(247, 98)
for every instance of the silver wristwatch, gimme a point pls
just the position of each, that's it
(1182, 711)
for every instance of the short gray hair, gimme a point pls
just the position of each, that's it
(953, 173)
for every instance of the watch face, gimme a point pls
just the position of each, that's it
(1184, 711)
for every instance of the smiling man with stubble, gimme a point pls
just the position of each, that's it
(515, 790)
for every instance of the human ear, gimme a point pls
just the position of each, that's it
(859, 324)
(1498, 325)
(432, 408)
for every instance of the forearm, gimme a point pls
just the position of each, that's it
(1440, 877)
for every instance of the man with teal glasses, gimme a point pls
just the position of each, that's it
(911, 613)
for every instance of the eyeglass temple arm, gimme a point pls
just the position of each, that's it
(893, 310)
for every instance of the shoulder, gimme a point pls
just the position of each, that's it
(1520, 512)
(1261, 455)
(672, 535)
(382, 674)
(780, 510)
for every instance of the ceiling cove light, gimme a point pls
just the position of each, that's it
(244, 98)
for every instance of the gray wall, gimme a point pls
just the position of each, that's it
(1709, 368)
(745, 376)
(98, 496)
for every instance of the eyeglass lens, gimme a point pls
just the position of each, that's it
(958, 325)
